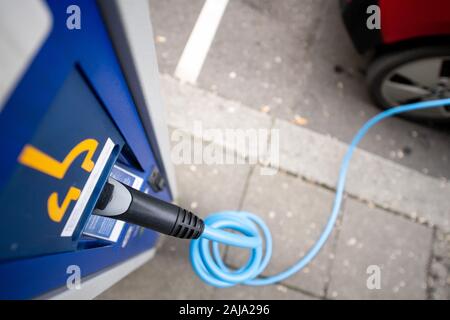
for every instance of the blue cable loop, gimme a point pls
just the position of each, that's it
(253, 233)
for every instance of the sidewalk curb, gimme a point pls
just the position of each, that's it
(314, 156)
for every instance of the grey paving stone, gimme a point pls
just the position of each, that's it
(439, 275)
(400, 248)
(273, 292)
(205, 189)
(167, 276)
(295, 212)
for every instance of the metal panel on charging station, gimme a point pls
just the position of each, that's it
(69, 124)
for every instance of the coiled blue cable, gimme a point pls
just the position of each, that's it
(253, 233)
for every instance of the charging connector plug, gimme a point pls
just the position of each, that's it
(121, 202)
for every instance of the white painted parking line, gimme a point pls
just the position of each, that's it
(197, 47)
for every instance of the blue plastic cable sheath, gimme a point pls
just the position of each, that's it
(252, 232)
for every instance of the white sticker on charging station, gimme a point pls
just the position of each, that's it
(107, 228)
(86, 193)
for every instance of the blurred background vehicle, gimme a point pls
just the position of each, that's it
(410, 54)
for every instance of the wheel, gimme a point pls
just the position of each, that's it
(409, 76)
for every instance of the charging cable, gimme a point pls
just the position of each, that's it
(124, 203)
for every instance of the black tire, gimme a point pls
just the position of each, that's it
(383, 65)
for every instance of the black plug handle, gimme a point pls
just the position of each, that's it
(161, 216)
(149, 212)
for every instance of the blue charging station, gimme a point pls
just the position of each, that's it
(71, 120)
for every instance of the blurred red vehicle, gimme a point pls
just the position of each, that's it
(410, 52)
